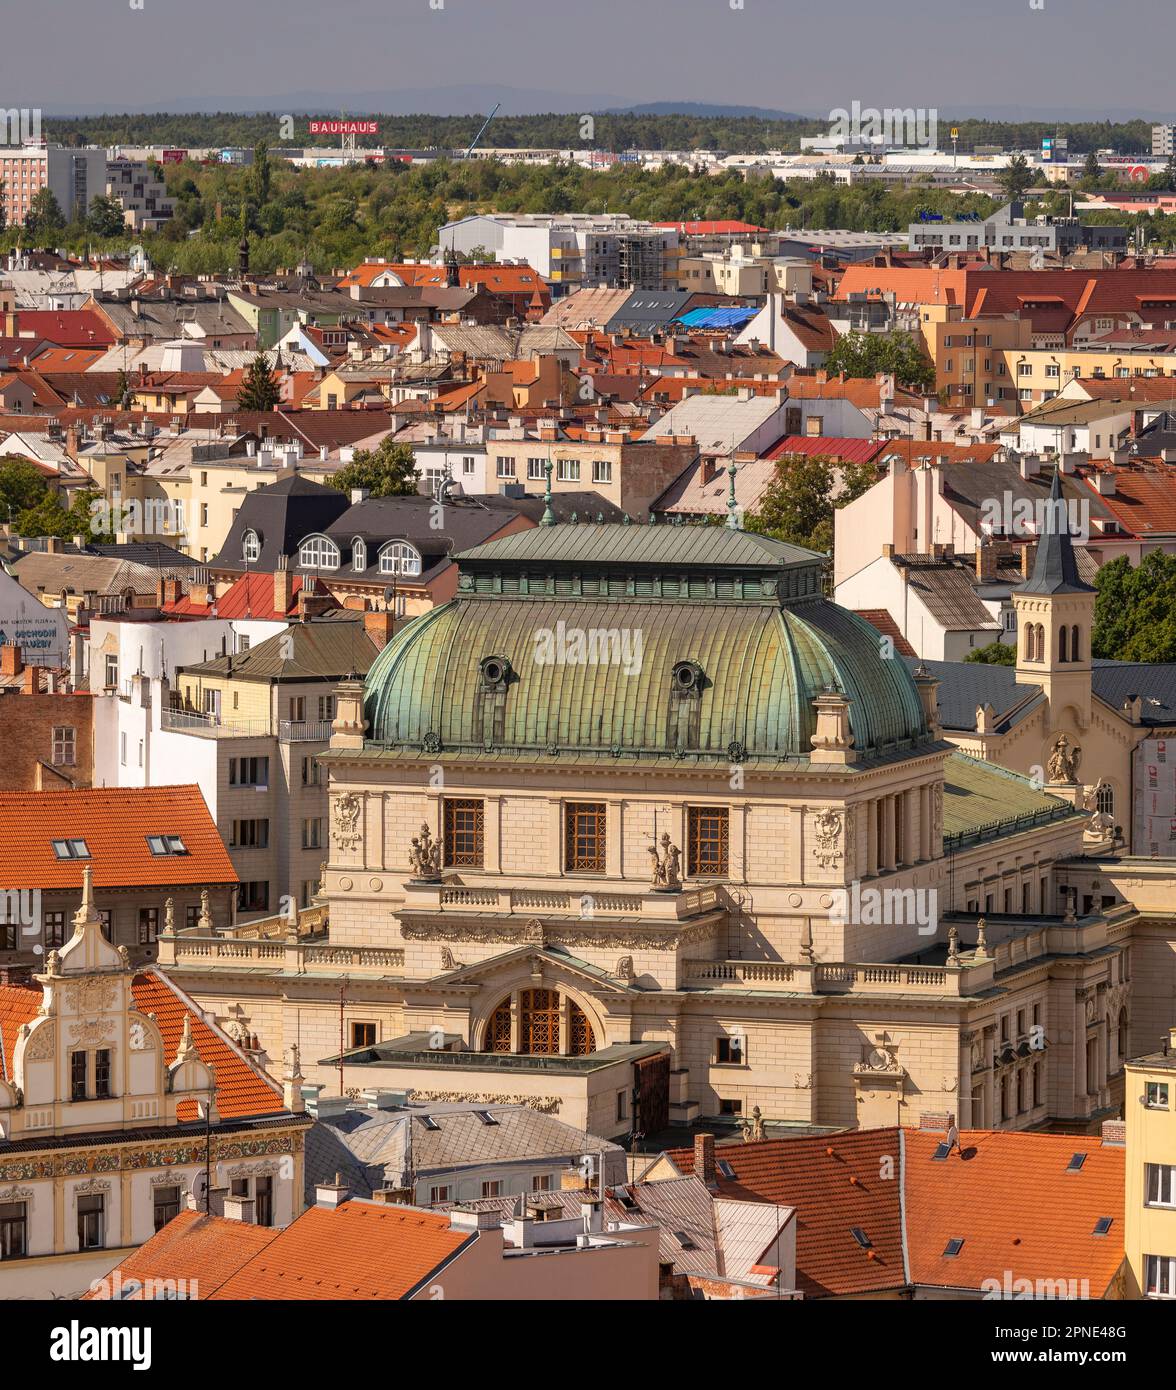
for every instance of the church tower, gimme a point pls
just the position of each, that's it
(1055, 616)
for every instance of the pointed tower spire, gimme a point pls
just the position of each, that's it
(187, 1047)
(87, 913)
(1055, 566)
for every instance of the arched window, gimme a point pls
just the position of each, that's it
(1028, 641)
(397, 557)
(1105, 802)
(251, 548)
(1063, 641)
(318, 553)
(1040, 642)
(358, 554)
(1074, 655)
(539, 1026)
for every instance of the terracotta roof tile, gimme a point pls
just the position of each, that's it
(115, 823)
(881, 619)
(204, 1251)
(359, 1251)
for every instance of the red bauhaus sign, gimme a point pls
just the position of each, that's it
(343, 127)
(173, 156)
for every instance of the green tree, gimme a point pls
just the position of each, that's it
(259, 390)
(1169, 174)
(1091, 168)
(866, 354)
(104, 217)
(1016, 177)
(389, 470)
(44, 213)
(798, 504)
(1135, 609)
(22, 485)
(994, 654)
(260, 174)
(50, 517)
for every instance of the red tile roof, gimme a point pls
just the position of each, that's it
(241, 1087)
(1009, 1198)
(115, 823)
(835, 1184)
(203, 1251)
(360, 1251)
(843, 450)
(719, 228)
(65, 328)
(1144, 500)
(881, 619)
(251, 596)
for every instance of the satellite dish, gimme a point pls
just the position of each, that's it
(200, 1189)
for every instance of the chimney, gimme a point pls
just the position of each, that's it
(986, 562)
(379, 628)
(32, 681)
(1104, 483)
(704, 1158)
(10, 662)
(54, 545)
(1030, 465)
(71, 439)
(239, 1209)
(1027, 554)
(168, 591)
(283, 585)
(331, 1194)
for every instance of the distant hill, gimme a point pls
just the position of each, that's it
(706, 111)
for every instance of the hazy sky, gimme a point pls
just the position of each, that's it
(814, 56)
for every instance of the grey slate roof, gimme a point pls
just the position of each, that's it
(1155, 684)
(314, 650)
(965, 684)
(368, 1147)
(282, 514)
(1055, 570)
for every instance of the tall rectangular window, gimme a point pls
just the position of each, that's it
(166, 1205)
(263, 1200)
(584, 837)
(102, 1078)
(464, 833)
(14, 1230)
(65, 738)
(77, 1075)
(1160, 1185)
(707, 841)
(91, 1222)
(148, 925)
(54, 928)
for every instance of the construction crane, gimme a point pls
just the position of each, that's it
(482, 132)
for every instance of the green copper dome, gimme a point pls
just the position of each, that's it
(637, 641)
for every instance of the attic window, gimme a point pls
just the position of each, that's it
(940, 1153)
(428, 1121)
(953, 1248)
(1103, 1226)
(166, 844)
(251, 548)
(398, 557)
(485, 1117)
(358, 554)
(1075, 1163)
(683, 1239)
(71, 849)
(860, 1236)
(725, 1168)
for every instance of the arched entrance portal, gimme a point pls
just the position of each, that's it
(539, 1022)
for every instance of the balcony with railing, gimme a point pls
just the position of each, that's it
(304, 730)
(805, 977)
(587, 901)
(182, 721)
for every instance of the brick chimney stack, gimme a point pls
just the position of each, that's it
(704, 1158)
(10, 662)
(283, 586)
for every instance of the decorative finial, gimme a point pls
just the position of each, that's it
(86, 913)
(953, 945)
(652, 519)
(548, 518)
(732, 505)
(169, 917)
(187, 1047)
(626, 520)
(981, 951)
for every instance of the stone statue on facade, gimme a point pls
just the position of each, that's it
(753, 1128)
(1064, 760)
(425, 856)
(666, 867)
(1100, 824)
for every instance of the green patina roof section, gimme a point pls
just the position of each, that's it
(763, 664)
(662, 546)
(981, 796)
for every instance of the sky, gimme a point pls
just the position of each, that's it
(1068, 56)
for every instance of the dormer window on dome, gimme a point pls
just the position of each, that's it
(495, 672)
(688, 678)
(318, 553)
(251, 547)
(398, 557)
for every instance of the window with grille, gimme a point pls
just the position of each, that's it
(54, 928)
(77, 1076)
(707, 841)
(582, 1040)
(584, 837)
(464, 833)
(539, 1022)
(102, 1074)
(498, 1029)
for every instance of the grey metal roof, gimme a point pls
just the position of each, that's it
(1116, 682)
(312, 650)
(963, 685)
(282, 514)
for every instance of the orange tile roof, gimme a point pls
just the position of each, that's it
(359, 1251)
(115, 823)
(18, 1004)
(57, 359)
(835, 1184)
(881, 619)
(911, 450)
(241, 1088)
(1009, 1198)
(204, 1251)
(1144, 500)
